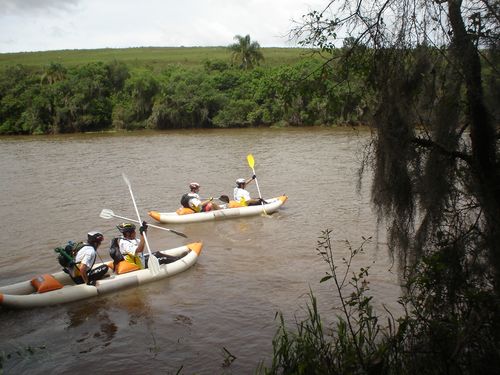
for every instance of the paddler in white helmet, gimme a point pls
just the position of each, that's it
(242, 196)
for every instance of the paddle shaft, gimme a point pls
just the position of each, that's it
(222, 198)
(251, 163)
(149, 225)
(137, 212)
(257, 184)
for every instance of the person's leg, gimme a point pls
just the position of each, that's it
(164, 259)
(98, 272)
(210, 206)
(254, 202)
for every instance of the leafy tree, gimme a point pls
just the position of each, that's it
(17, 85)
(235, 113)
(142, 86)
(118, 73)
(53, 73)
(187, 100)
(245, 52)
(83, 100)
(215, 65)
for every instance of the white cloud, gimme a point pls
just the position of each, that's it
(33, 25)
(35, 6)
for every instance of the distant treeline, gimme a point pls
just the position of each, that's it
(114, 95)
(109, 96)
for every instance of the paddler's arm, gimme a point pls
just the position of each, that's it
(140, 247)
(83, 273)
(206, 201)
(250, 179)
(143, 229)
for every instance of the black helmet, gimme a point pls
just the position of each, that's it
(126, 227)
(94, 237)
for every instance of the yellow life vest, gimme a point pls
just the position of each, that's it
(134, 259)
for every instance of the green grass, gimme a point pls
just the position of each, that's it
(154, 57)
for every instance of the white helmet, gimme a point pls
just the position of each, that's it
(194, 185)
(240, 181)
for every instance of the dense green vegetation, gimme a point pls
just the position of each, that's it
(122, 93)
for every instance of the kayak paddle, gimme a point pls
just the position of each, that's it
(251, 163)
(109, 214)
(153, 263)
(222, 198)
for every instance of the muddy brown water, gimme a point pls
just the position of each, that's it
(53, 189)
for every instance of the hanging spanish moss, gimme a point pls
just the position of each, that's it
(435, 157)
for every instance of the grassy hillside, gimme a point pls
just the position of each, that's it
(155, 57)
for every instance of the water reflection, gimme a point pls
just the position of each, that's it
(95, 323)
(238, 231)
(91, 326)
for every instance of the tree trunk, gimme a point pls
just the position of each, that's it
(482, 133)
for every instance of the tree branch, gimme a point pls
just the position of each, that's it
(427, 143)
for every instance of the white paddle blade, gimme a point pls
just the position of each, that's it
(153, 264)
(107, 214)
(125, 178)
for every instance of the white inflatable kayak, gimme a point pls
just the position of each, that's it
(227, 213)
(25, 295)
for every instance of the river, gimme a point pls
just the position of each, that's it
(54, 187)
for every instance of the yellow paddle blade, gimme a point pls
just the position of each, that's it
(250, 160)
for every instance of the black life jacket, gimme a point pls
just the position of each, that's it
(185, 199)
(114, 250)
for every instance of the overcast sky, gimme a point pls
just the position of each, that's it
(41, 25)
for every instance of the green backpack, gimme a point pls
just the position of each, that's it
(67, 254)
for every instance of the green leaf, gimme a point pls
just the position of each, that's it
(327, 277)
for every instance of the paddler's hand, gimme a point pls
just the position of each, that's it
(254, 177)
(143, 228)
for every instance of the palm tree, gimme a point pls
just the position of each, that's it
(53, 73)
(245, 52)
